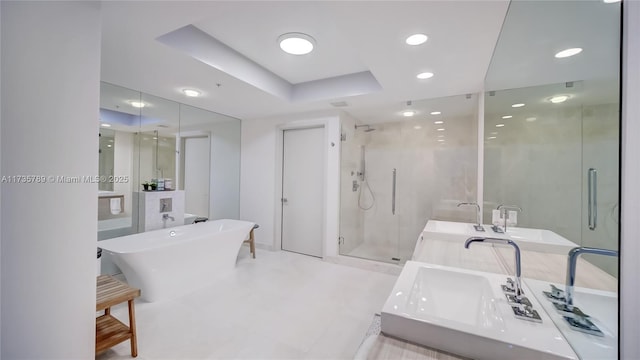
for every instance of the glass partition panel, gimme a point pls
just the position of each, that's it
(399, 172)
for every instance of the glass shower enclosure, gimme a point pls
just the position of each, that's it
(398, 172)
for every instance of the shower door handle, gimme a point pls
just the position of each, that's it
(592, 198)
(393, 192)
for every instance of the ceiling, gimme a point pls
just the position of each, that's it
(351, 36)
(237, 65)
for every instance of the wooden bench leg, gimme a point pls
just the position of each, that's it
(252, 244)
(132, 327)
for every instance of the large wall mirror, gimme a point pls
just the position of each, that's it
(551, 140)
(153, 149)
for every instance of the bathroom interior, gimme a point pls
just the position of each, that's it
(479, 219)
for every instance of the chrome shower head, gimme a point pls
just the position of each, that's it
(368, 128)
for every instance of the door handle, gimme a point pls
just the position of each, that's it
(393, 192)
(592, 198)
(284, 200)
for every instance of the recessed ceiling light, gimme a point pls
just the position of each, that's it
(517, 105)
(155, 138)
(109, 145)
(408, 113)
(494, 133)
(438, 122)
(417, 127)
(416, 39)
(499, 125)
(611, 1)
(296, 43)
(137, 104)
(105, 125)
(568, 52)
(559, 99)
(436, 113)
(530, 119)
(507, 117)
(441, 129)
(491, 137)
(440, 136)
(441, 140)
(424, 75)
(191, 92)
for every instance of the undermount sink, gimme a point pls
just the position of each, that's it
(465, 312)
(602, 308)
(528, 239)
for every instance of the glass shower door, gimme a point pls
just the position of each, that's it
(600, 170)
(369, 220)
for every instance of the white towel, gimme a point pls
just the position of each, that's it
(115, 205)
(496, 217)
(513, 218)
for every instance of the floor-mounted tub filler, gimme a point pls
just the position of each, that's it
(171, 262)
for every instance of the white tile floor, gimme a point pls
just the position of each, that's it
(279, 305)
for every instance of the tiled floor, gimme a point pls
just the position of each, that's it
(279, 305)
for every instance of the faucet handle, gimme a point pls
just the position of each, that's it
(509, 287)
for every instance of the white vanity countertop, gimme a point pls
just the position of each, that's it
(546, 267)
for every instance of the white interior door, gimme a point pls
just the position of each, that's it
(196, 176)
(303, 191)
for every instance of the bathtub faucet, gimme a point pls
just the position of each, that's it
(165, 217)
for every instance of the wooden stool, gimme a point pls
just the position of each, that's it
(252, 242)
(109, 330)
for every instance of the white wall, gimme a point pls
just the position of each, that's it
(260, 181)
(630, 199)
(50, 96)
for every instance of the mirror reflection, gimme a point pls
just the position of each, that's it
(161, 156)
(551, 140)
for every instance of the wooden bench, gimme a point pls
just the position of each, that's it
(109, 330)
(252, 241)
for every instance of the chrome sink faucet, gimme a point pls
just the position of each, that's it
(478, 226)
(518, 283)
(572, 261)
(504, 212)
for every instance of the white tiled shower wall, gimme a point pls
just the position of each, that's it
(431, 178)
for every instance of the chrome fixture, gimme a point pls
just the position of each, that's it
(520, 305)
(577, 319)
(166, 217)
(572, 260)
(368, 128)
(516, 287)
(504, 213)
(592, 200)
(478, 226)
(393, 192)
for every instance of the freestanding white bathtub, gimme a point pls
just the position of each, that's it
(171, 262)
